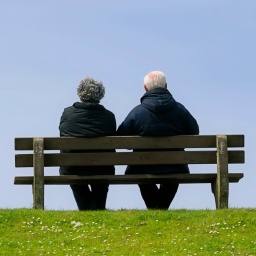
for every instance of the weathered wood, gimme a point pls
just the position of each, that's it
(168, 154)
(38, 163)
(128, 179)
(126, 142)
(128, 158)
(222, 183)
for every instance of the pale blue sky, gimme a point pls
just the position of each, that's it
(206, 48)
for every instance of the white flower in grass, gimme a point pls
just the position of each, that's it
(76, 224)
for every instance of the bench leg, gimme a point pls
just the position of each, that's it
(38, 183)
(220, 195)
(222, 182)
(38, 196)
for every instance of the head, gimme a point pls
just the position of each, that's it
(90, 90)
(154, 79)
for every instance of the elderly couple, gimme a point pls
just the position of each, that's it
(158, 114)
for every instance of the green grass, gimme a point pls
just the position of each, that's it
(128, 232)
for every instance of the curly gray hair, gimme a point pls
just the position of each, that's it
(90, 90)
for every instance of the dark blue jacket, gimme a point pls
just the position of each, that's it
(158, 115)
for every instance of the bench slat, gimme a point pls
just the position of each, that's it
(128, 158)
(128, 179)
(132, 142)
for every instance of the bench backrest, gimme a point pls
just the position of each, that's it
(199, 149)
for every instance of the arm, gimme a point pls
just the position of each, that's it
(127, 126)
(61, 123)
(192, 127)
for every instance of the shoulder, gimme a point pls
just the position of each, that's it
(106, 111)
(135, 112)
(68, 110)
(109, 113)
(137, 109)
(181, 107)
(72, 107)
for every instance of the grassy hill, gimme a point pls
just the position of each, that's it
(128, 232)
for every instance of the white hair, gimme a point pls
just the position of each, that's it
(155, 79)
(90, 90)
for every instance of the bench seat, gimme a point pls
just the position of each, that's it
(128, 179)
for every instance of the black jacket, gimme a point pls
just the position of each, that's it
(85, 119)
(158, 115)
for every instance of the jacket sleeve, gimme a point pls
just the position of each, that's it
(192, 127)
(61, 123)
(127, 126)
(113, 125)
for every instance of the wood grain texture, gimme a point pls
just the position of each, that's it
(128, 179)
(199, 149)
(129, 142)
(38, 182)
(128, 158)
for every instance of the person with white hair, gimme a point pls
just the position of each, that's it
(88, 118)
(159, 114)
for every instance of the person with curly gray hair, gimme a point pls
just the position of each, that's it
(90, 90)
(88, 118)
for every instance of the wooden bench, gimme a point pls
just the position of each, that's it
(201, 149)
